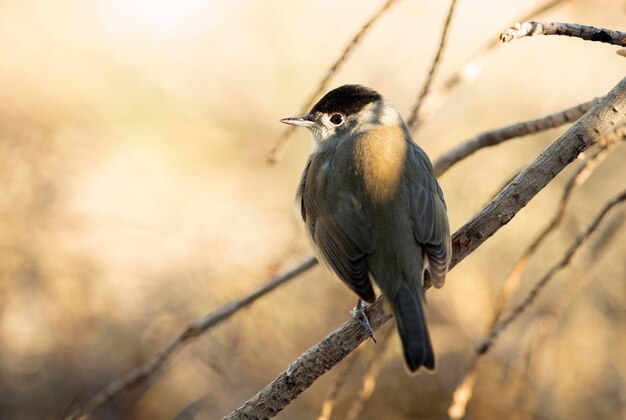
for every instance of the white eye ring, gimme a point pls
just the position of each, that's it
(337, 119)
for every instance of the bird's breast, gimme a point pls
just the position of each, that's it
(380, 159)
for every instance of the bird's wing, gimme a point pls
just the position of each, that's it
(341, 232)
(429, 214)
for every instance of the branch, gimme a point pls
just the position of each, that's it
(473, 67)
(588, 33)
(413, 121)
(339, 343)
(500, 135)
(276, 153)
(541, 284)
(141, 374)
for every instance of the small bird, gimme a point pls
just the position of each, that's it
(373, 208)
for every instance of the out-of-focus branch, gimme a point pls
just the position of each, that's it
(495, 137)
(545, 323)
(276, 153)
(328, 405)
(463, 392)
(368, 383)
(487, 343)
(338, 344)
(588, 33)
(413, 121)
(474, 66)
(579, 177)
(143, 373)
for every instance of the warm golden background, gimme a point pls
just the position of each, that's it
(135, 197)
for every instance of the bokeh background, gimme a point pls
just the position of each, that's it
(135, 197)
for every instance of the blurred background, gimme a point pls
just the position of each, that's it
(135, 197)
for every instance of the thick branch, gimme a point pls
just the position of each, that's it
(495, 137)
(338, 344)
(588, 33)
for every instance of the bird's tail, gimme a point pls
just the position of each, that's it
(407, 309)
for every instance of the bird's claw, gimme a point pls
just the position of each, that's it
(359, 314)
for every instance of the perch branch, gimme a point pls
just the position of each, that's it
(141, 374)
(277, 151)
(338, 344)
(487, 343)
(588, 33)
(495, 137)
(413, 121)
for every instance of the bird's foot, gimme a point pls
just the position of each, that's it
(358, 313)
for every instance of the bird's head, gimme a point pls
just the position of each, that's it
(345, 110)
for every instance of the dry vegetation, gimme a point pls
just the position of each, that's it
(135, 198)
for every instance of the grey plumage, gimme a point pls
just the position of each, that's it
(373, 209)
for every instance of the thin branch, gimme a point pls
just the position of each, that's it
(474, 66)
(141, 374)
(495, 137)
(368, 383)
(339, 343)
(413, 121)
(278, 149)
(463, 392)
(487, 343)
(588, 33)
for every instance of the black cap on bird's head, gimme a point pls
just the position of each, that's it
(345, 100)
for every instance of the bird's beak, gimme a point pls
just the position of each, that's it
(304, 121)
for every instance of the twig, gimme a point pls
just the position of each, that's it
(413, 121)
(473, 67)
(277, 151)
(588, 33)
(338, 344)
(371, 376)
(495, 137)
(328, 405)
(463, 393)
(141, 374)
(487, 343)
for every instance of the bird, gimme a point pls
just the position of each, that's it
(373, 209)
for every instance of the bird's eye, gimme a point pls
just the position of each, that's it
(336, 119)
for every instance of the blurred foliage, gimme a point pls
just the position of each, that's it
(135, 197)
